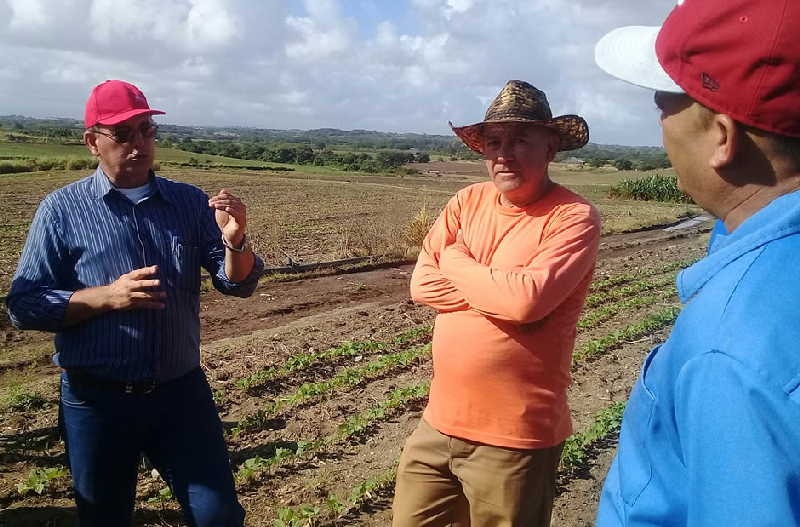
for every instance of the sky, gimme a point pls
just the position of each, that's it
(386, 65)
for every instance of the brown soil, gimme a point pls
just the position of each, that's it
(242, 336)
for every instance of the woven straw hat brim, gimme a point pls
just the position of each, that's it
(571, 129)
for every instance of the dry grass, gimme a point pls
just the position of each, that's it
(316, 217)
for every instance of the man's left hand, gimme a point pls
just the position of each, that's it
(231, 215)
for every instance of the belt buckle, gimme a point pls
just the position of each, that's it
(129, 387)
(149, 387)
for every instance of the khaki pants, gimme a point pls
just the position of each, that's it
(445, 481)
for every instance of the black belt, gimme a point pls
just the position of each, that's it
(79, 378)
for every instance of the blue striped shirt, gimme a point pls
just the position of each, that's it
(88, 234)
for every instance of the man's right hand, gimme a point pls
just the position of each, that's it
(136, 290)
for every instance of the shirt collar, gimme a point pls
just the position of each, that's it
(778, 219)
(103, 185)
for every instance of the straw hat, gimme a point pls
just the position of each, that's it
(519, 102)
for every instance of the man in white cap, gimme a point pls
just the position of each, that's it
(711, 432)
(112, 267)
(507, 266)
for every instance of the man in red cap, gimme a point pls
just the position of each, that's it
(112, 266)
(711, 431)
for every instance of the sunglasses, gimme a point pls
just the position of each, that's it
(124, 134)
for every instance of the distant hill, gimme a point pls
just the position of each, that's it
(27, 129)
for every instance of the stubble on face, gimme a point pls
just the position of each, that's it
(517, 156)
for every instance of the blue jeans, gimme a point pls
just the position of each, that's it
(176, 426)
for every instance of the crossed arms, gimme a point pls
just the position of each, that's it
(448, 278)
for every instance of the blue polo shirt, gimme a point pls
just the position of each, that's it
(711, 433)
(89, 234)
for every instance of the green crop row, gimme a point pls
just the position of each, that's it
(301, 361)
(598, 316)
(345, 379)
(639, 274)
(606, 422)
(650, 324)
(251, 468)
(307, 515)
(622, 292)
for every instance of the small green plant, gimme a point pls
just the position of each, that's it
(39, 479)
(23, 401)
(300, 516)
(218, 396)
(335, 505)
(165, 494)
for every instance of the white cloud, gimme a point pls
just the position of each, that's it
(253, 62)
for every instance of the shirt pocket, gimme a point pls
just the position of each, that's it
(185, 269)
(634, 461)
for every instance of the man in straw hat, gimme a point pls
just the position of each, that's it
(112, 267)
(507, 266)
(711, 432)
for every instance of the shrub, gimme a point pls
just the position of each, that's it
(13, 167)
(416, 229)
(51, 163)
(80, 163)
(658, 187)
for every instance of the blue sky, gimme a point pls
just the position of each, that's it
(389, 65)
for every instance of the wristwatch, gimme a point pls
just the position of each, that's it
(244, 246)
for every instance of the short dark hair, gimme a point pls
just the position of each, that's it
(788, 147)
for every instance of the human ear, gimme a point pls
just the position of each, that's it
(90, 140)
(552, 146)
(726, 141)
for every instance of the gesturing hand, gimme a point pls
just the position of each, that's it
(135, 291)
(231, 215)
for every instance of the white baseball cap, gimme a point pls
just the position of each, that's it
(629, 53)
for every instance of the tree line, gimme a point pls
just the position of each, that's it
(303, 154)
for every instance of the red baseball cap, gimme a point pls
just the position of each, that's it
(737, 57)
(113, 102)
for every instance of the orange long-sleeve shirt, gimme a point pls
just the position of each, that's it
(509, 290)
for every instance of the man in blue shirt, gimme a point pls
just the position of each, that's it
(711, 432)
(112, 266)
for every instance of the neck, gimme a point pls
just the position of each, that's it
(126, 179)
(511, 200)
(749, 200)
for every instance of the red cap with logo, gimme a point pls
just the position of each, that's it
(113, 102)
(738, 57)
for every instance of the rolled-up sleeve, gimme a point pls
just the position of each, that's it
(214, 261)
(36, 300)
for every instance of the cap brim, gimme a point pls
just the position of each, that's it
(629, 53)
(116, 119)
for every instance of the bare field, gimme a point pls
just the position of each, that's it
(320, 380)
(311, 216)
